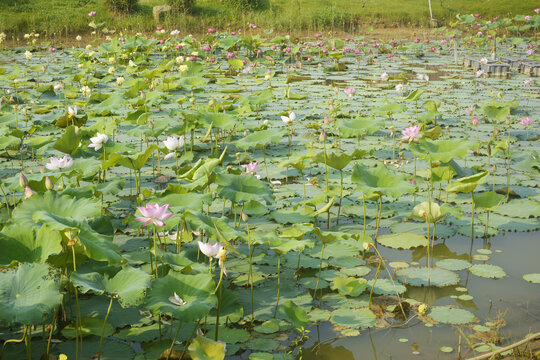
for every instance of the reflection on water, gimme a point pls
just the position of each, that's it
(510, 298)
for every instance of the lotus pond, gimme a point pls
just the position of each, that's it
(266, 198)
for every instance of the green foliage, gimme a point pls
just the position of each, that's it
(122, 6)
(181, 6)
(242, 5)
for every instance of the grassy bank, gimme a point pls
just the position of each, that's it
(60, 18)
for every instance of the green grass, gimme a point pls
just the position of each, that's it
(64, 18)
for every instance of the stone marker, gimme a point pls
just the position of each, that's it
(161, 11)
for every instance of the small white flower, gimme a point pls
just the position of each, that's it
(289, 119)
(422, 77)
(175, 32)
(98, 141)
(78, 38)
(399, 89)
(384, 76)
(484, 60)
(180, 59)
(120, 80)
(111, 70)
(183, 68)
(132, 64)
(28, 55)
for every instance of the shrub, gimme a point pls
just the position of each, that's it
(181, 6)
(123, 6)
(244, 4)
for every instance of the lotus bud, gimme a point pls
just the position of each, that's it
(507, 121)
(61, 186)
(494, 168)
(245, 218)
(49, 183)
(28, 192)
(322, 137)
(366, 245)
(23, 181)
(150, 124)
(245, 133)
(222, 254)
(326, 119)
(141, 197)
(192, 100)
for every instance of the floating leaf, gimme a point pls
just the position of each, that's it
(487, 271)
(294, 313)
(205, 349)
(423, 276)
(532, 278)
(453, 264)
(349, 286)
(402, 240)
(451, 315)
(380, 181)
(355, 319)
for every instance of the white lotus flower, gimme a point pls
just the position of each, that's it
(173, 143)
(289, 119)
(63, 163)
(85, 91)
(484, 60)
(422, 77)
(72, 110)
(28, 55)
(384, 76)
(479, 73)
(98, 141)
(399, 89)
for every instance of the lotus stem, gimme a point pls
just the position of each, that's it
(50, 335)
(365, 217)
(220, 285)
(174, 339)
(103, 327)
(6, 200)
(340, 194)
(78, 325)
(319, 276)
(472, 216)
(155, 252)
(278, 283)
(265, 165)
(250, 275)
(189, 340)
(303, 184)
(375, 280)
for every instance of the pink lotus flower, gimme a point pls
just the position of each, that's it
(251, 168)
(211, 251)
(153, 213)
(478, 16)
(318, 35)
(212, 30)
(207, 48)
(527, 81)
(349, 92)
(526, 121)
(411, 133)
(230, 55)
(475, 121)
(63, 163)
(92, 13)
(469, 110)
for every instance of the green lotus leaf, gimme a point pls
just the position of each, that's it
(283, 246)
(61, 205)
(451, 315)
(440, 150)
(349, 286)
(497, 112)
(488, 200)
(349, 128)
(27, 294)
(197, 291)
(532, 278)
(22, 243)
(205, 349)
(243, 188)
(355, 319)
(193, 82)
(229, 335)
(260, 139)
(218, 120)
(423, 276)
(334, 160)
(89, 326)
(128, 284)
(402, 240)
(96, 246)
(426, 210)
(467, 184)
(137, 161)
(453, 264)
(386, 287)
(380, 181)
(69, 141)
(487, 271)
(294, 313)
(520, 208)
(188, 201)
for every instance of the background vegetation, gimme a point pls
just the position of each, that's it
(66, 17)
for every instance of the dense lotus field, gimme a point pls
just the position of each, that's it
(161, 194)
